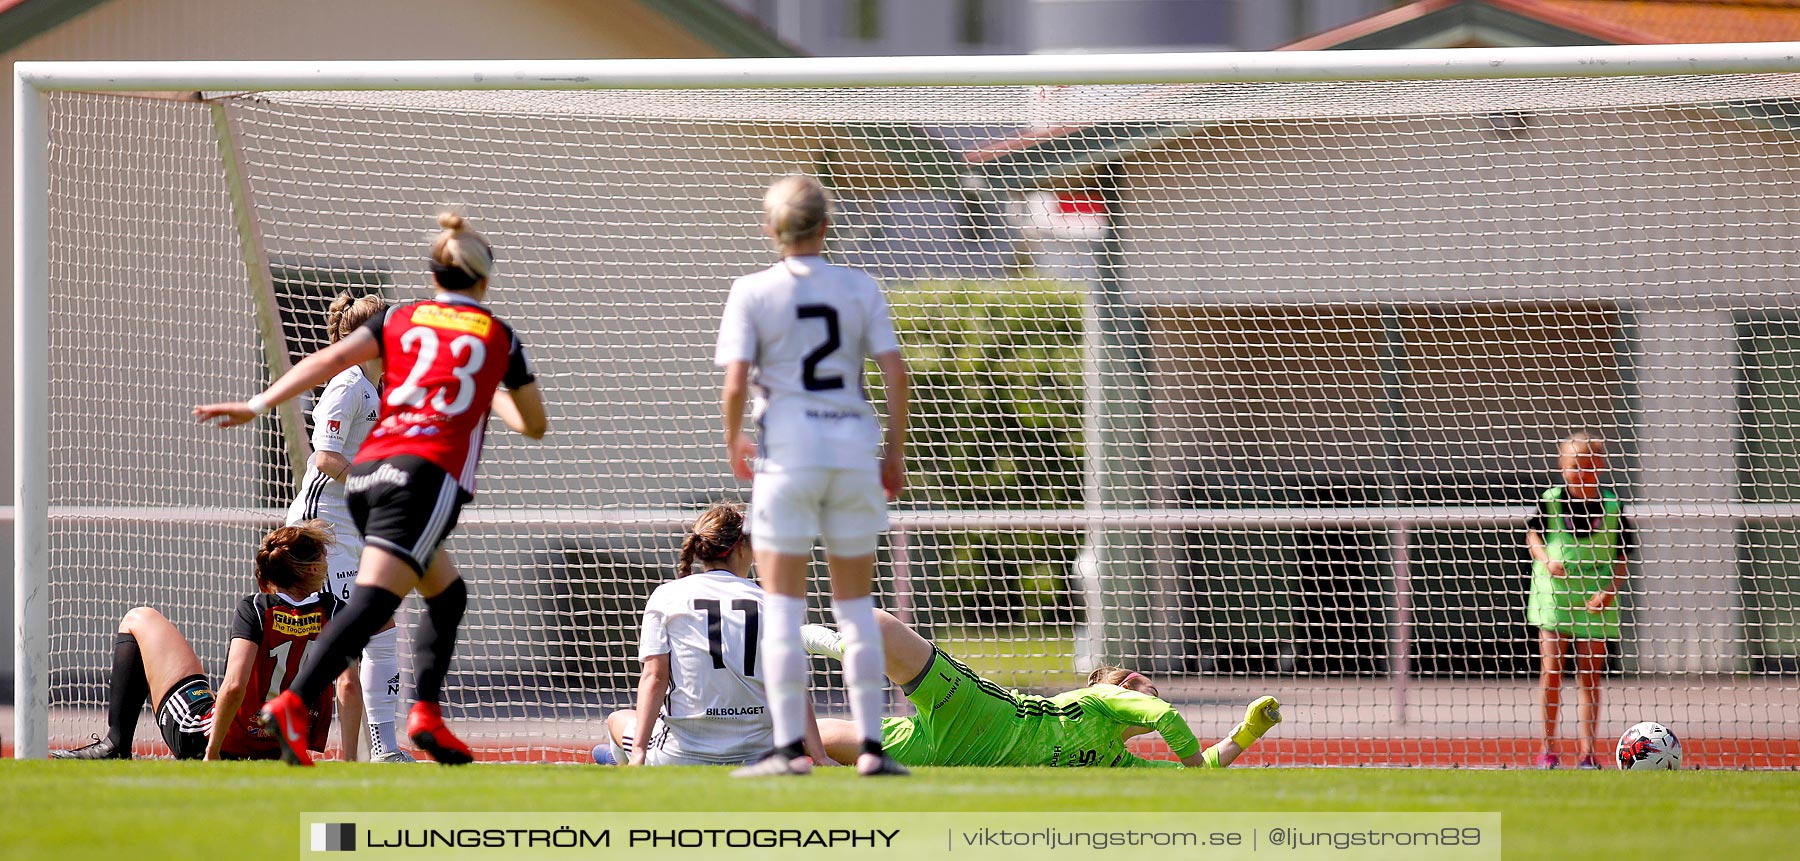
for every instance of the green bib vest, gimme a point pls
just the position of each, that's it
(1560, 604)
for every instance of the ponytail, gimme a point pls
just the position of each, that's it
(711, 539)
(349, 312)
(289, 557)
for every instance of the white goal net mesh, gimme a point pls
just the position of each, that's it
(1250, 387)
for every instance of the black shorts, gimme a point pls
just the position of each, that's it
(405, 505)
(182, 717)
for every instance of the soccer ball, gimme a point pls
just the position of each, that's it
(1649, 746)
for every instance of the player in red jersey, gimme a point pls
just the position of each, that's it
(269, 637)
(445, 360)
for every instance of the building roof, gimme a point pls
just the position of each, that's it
(1676, 22)
(1457, 23)
(1042, 155)
(23, 20)
(730, 32)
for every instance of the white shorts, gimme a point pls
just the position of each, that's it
(342, 559)
(670, 753)
(666, 748)
(792, 509)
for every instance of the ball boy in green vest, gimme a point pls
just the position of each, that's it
(1580, 541)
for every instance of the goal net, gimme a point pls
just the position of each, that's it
(1250, 386)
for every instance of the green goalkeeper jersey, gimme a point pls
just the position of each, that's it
(965, 719)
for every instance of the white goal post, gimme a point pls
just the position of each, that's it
(1245, 413)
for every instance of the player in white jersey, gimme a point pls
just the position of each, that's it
(700, 696)
(805, 327)
(342, 419)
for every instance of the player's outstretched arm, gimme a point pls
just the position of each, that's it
(349, 692)
(653, 689)
(308, 374)
(898, 388)
(332, 464)
(1136, 709)
(1259, 717)
(239, 662)
(814, 740)
(738, 447)
(1534, 544)
(523, 410)
(1610, 592)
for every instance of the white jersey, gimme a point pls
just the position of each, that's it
(808, 326)
(342, 419)
(709, 625)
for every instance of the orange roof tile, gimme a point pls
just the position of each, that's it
(1619, 22)
(1673, 21)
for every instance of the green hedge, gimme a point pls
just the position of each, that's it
(996, 424)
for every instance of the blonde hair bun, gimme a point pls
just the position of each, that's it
(460, 256)
(795, 208)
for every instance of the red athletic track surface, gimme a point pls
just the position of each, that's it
(1316, 752)
(1502, 752)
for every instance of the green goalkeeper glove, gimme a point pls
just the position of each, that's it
(1259, 718)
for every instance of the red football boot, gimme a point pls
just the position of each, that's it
(426, 726)
(285, 717)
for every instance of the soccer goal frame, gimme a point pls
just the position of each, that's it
(32, 513)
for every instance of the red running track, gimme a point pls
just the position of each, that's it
(1730, 753)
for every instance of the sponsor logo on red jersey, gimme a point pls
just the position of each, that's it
(296, 624)
(475, 322)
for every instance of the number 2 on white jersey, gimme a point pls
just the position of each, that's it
(809, 366)
(424, 341)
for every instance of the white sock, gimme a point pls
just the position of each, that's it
(785, 666)
(381, 689)
(863, 663)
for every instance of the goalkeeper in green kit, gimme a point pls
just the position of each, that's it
(965, 719)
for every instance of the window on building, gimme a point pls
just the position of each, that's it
(1769, 473)
(862, 20)
(1304, 15)
(1318, 407)
(303, 290)
(972, 22)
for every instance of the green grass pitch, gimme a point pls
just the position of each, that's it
(157, 809)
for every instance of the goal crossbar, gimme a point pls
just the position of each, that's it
(1169, 68)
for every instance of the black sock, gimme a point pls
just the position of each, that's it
(792, 750)
(129, 691)
(349, 631)
(435, 638)
(872, 746)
